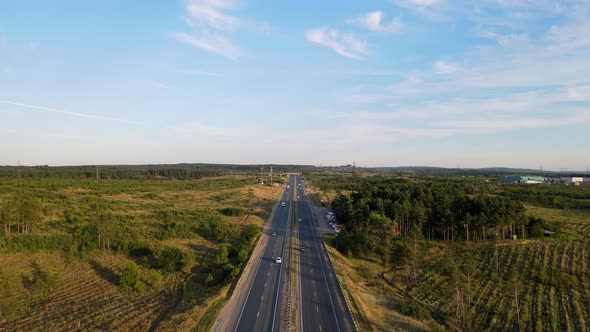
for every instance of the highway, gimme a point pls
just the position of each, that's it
(261, 308)
(323, 307)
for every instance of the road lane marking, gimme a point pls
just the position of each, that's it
(257, 314)
(317, 308)
(262, 298)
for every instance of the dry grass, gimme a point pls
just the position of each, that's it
(375, 304)
(83, 295)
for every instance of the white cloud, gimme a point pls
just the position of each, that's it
(211, 25)
(210, 42)
(199, 72)
(509, 40)
(209, 13)
(374, 22)
(444, 68)
(345, 44)
(76, 114)
(419, 5)
(158, 85)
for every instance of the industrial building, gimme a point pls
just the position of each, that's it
(572, 179)
(523, 179)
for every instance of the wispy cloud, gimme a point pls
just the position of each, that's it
(199, 72)
(158, 85)
(211, 25)
(210, 42)
(345, 44)
(444, 68)
(59, 111)
(374, 22)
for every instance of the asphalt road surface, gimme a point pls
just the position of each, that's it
(261, 310)
(322, 303)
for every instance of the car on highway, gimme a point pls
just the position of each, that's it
(274, 233)
(283, 204)
(298, 196)
(279, 260)
(299, 219)
(302, 249)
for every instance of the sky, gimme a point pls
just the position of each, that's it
(381, 83)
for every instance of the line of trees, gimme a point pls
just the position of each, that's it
(383, 209)
(19, 214)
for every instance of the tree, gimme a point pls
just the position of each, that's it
(453, 284)
(516, 286)
(416, 250)
(222, 254)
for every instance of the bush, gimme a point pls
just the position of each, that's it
(171, 259)
(154, 278)
(131, 278)
(414, 309)
(232, 212)
(537, 230)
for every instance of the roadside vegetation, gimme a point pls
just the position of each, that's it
(464, 254)
(123, 254)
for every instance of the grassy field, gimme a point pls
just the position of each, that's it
(374, 302)
(43, 289)
(575, 222)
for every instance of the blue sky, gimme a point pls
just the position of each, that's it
(381, 83)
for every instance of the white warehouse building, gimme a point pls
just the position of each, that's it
(572, 179)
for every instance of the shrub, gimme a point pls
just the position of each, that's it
(171, 259)
(232, 211)
(131, 278)
(414, 309)
(154, 278)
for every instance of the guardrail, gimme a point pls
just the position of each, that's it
(340, 286)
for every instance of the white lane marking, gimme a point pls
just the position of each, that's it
(265, 283)
(317, 308)
(262, 298)
(257, 314)
(320, 327)
(315, 294)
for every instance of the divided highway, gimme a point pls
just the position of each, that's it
(323, 307)
(261, 309)
(256, 304)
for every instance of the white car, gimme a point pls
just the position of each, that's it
(279, 260)
(299, 219)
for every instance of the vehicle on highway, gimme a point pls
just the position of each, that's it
(299, 219)
(274, 233)
(279, 260)
(297, 196)
(283, 204)
(302, 249)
